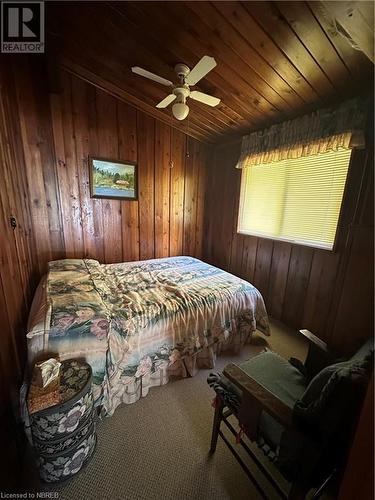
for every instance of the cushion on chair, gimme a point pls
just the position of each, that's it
(270, 432)
(317, 390)
(332, 389)
(284, 381)
(324, 384)
(364, 350)
(278, 376)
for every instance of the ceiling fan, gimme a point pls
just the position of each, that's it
(181, 91)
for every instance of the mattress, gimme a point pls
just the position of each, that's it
(139, 323)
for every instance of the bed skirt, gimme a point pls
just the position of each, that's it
(128, 390)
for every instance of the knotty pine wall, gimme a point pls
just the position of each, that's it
(17, 276)
(60, 131)
(330, 293)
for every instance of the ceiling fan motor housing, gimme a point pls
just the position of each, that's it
(182, 92)
(182, 71)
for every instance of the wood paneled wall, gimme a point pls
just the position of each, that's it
(59, 132)
(17, 254)
(330, 293)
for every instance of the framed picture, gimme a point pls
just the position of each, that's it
(113, 179)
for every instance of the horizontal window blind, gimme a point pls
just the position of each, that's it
(296, 200)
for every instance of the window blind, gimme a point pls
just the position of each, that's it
(297, 200)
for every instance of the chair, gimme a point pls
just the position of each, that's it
(302, 415)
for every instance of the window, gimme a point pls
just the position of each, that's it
(296, 200)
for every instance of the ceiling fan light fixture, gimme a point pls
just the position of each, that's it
(180, 110)
(180, 92)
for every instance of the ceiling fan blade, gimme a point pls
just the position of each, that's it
(151, 76)
(204, 66)
(166, 101)
(205, 98)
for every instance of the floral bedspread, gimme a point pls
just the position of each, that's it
(138, 323)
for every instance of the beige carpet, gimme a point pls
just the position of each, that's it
(158, 447)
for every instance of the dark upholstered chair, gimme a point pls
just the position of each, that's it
(302, 415)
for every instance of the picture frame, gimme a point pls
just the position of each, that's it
(113, 179)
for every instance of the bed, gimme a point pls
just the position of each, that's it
(139, 323)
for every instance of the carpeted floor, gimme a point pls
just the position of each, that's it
(158, 447)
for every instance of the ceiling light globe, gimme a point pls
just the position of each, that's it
(180, 110)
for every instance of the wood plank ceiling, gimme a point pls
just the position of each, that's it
(276, 60)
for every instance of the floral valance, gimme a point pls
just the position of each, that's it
(318, 132)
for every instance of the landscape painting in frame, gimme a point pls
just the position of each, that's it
(113, 179)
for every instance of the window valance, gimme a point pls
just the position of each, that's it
(318, 132)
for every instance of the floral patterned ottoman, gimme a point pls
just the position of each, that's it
(64, 434)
